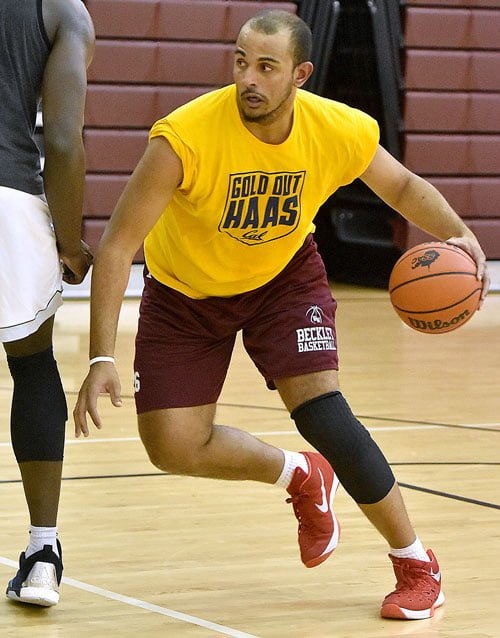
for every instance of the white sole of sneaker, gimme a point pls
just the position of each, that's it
(35, 596)
(400, 613)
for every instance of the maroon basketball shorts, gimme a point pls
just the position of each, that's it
(184, 346)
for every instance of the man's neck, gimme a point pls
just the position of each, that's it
(275, 133)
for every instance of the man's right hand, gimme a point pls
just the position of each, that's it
(101, 379)
(75, 267)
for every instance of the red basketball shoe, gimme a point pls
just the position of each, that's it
(418, 589)
(312, 497)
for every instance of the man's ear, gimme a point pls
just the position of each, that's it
(303, 72)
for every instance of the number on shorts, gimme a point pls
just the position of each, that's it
(137, 382)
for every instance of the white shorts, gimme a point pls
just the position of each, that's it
(30, 270)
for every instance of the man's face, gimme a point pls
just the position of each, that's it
(264, 75)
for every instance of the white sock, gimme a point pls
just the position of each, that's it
(292, 461)
(40, 536)
(415, 550)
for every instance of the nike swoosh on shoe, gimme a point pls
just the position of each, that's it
(323, 506)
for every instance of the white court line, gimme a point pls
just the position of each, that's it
(395, 428)
(270, 433)
(389, 428)
(90, 440)
(123, 439)
(383, 428)
(134, 602)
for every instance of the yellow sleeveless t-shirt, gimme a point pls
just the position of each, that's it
(245, 207)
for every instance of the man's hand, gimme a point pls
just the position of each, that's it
(101, 379)
(472, 247)
(75, 267)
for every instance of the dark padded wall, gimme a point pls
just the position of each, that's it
(452, 109)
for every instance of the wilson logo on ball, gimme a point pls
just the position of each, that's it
(437, 324)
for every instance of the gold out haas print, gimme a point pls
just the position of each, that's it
(261, 207)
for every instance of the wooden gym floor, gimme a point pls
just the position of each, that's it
(154, 555)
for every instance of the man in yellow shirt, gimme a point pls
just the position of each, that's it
(224, 199)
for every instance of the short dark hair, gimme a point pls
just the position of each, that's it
(273, 20)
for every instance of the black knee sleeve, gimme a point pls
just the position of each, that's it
(39, 410)
(329, 425)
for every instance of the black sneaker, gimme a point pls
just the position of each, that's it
(38, 579)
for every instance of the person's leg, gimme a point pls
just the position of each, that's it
(325, 420)
(388, 514)
(38, 417)
(41, 478)
(31, 285)
(186, 441)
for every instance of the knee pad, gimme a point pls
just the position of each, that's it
(39, 411)
(329, 425)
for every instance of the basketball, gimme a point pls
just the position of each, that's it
(433, 287)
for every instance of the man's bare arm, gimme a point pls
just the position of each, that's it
(144, 199)
(63, 104)
(422, 204)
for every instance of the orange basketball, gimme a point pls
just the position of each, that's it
(433, 287)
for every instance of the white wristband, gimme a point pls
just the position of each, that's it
(98, 359)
